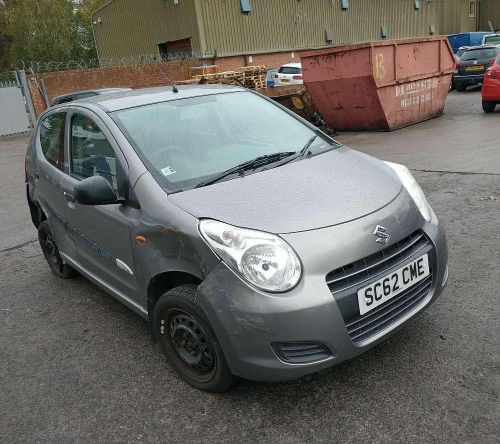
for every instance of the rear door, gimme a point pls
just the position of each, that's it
(101, 233)
(48, 172)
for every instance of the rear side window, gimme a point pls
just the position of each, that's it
(52, 139)
(289, 70)
(92, 154)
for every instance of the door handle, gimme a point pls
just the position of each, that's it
(69, 197)
(36, 175)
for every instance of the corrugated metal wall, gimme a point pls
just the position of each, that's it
(489, 11)
(135, 27)
(282, 25)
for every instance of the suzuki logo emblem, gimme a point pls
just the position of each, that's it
(381, 234)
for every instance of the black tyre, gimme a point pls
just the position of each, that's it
(489, 107)
(188, 341)
(51, 253)
(460, 87)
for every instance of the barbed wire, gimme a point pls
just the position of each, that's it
(45, 66)
(8, 79)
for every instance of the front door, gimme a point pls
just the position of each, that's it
(101, 233)
(48, 172)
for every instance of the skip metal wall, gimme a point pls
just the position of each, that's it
(125, 28)
(135, 27)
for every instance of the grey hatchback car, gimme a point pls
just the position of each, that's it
(255, 245)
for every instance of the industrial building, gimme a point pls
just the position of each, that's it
(264, 30)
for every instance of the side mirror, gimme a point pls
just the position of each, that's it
(95, 190)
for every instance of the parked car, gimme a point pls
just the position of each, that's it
(473, 64)
(70, 97)
(265, 251)
(289, 74)
(491, 39)
(491, 87)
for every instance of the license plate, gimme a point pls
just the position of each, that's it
(381, 291)
(475, 68)
(285, 80)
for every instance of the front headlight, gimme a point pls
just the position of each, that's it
(265, 260)
(413, 189)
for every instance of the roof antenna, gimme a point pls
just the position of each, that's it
(174, 88)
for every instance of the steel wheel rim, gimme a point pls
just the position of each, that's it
(191, 344)
(51, 252)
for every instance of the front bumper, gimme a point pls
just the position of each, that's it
(248, 321)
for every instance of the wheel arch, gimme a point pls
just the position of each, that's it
(163, 282)
(36, 212)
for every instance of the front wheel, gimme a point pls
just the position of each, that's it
(51, 253)
(489, 107)
(186, 338)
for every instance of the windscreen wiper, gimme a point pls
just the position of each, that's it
(303, 151)
(246, 166)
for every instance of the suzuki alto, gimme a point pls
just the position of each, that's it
(253, 244)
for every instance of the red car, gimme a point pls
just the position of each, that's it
(491, 87)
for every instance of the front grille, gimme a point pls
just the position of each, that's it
(345, 282)
(376, 320)
(301, 352)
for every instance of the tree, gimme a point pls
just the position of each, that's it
(83, 35)
(46, 30)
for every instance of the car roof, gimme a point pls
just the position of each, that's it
(293, 65)
(119, 100)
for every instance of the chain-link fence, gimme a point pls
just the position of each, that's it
(46, 66)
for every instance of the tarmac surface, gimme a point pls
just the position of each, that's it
(77, 366)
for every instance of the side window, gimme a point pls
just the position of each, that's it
(52, 139)
(92, 154)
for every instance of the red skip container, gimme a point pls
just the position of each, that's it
(382, 85)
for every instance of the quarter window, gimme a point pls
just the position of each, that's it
(52, 139)
(92, 154)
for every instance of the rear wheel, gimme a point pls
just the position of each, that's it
(187, 340)
(489, 107)
(51, 253)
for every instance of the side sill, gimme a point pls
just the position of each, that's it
(106, 287)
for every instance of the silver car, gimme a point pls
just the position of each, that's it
(253, 244)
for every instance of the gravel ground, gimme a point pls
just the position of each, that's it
(77, 366)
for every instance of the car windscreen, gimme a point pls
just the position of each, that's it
(479, 54)
(289, 70)
(186, 141)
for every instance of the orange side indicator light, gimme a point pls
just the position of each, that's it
(141, 240)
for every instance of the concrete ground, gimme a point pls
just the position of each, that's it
(77, 366)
